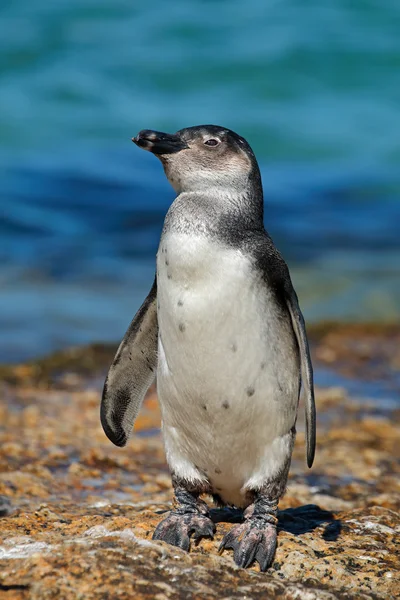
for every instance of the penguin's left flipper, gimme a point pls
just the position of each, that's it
(132, 372)
(275, 271)
(299, 329)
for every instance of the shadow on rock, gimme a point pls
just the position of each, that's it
(307, 518)
(226, 515)
(294, 520)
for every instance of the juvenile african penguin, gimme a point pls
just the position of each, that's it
(223, 330)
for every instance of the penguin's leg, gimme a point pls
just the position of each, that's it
(190, 516)
(255, 539)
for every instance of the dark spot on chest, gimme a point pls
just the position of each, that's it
(263, 365)
(218, 471)
(167, 263)
(204, 406)
(234, 347)
(225, 404)
(169, 276)
(180, 302)
(250, 391)
(182, 327)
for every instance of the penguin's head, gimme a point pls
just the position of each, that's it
(203, 157)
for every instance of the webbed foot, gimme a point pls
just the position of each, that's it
(255, 539)
(190, 518)
(178, 528)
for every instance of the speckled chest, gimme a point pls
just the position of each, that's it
(204, 290)
(218, 322)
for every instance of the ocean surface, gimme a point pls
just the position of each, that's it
(314, 87)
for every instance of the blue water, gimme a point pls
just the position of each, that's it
(314, 87)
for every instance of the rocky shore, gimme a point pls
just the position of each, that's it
(77, 514)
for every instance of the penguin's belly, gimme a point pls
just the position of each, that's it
(228, 368)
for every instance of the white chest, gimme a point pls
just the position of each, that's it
(202, 286)
(227, 375)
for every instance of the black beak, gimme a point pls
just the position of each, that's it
(159, 143)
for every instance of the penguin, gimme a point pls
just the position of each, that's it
(222, 330)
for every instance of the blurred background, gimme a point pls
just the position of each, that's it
(314, 87)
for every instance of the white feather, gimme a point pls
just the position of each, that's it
(227, 368)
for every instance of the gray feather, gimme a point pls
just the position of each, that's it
(276, 274)
(131, 373)
(307, 371)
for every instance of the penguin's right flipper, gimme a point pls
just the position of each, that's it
(131, 373)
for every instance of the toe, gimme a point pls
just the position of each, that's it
(202, 528)
(246, 549)
(231, 539)
(266, 549)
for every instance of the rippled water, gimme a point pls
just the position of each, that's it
(315, 89)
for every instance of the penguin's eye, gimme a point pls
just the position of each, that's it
(212, 142)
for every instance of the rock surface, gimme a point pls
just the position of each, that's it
(77, 514)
